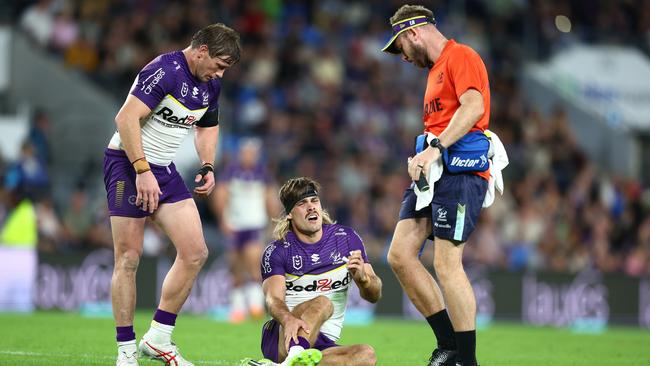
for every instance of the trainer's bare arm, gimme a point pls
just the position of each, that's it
(205, 141)
(364, 276)
(470, 111)
(128, 125)
(274, 290)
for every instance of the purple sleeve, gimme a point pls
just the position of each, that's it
(226, 174)
(264, 174)
(153, 83)
(356, 243)
(273, 261)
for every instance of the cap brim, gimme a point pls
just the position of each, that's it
(390, 47)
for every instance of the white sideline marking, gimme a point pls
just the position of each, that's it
(86, 356)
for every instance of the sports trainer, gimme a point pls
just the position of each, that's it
(456, 110)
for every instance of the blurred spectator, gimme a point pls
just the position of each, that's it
(78, 218)
(29, 173)
(38, 136)
(50, 229)
(38, 22)
(64, 30)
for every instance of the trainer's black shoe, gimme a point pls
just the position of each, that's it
(443, 357)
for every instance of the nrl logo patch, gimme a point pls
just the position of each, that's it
(297, 262)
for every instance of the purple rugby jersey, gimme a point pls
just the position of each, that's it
(315, 269)
(178, 101)
(246, 208)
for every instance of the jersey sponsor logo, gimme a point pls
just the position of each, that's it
(320, 285)
(169, 116)
(266, 259)
(155, 79)
(195, 92)
(442, 226)
(340, 231)
(468, 163)
(434, 105)
(315, 258)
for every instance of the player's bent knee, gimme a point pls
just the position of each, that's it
(195, 258)
(324, 305)
(397, 258)
(446, 271)
(127, 260)
(367, 354)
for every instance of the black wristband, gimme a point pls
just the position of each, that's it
(207, 167)
(435, 142)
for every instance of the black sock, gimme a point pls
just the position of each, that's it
(466, 342)
(442, 328)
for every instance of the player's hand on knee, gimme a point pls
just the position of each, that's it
(148, 191)
(291, 328)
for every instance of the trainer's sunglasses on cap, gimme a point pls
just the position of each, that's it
(402, 26)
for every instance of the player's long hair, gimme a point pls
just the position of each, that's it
(291, 192)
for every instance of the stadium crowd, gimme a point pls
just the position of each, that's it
(314, 86)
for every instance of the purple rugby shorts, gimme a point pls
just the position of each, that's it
(241, 238)
(119, 179)
(271, 337)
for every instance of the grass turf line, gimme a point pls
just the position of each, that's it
(55, 338)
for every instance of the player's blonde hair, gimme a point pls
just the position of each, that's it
(290, 193)
(410, 11)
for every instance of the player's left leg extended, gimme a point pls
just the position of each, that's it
(181, 221)
(355, 355)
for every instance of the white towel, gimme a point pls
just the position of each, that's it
(498, 161)
(498, 158)
(435, 171)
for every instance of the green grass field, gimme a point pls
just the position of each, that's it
(54, 338)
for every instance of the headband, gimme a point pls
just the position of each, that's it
(309, 192)
(402, 26)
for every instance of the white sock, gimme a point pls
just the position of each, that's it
(127, 347)
(293, 351)
(159, 333)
